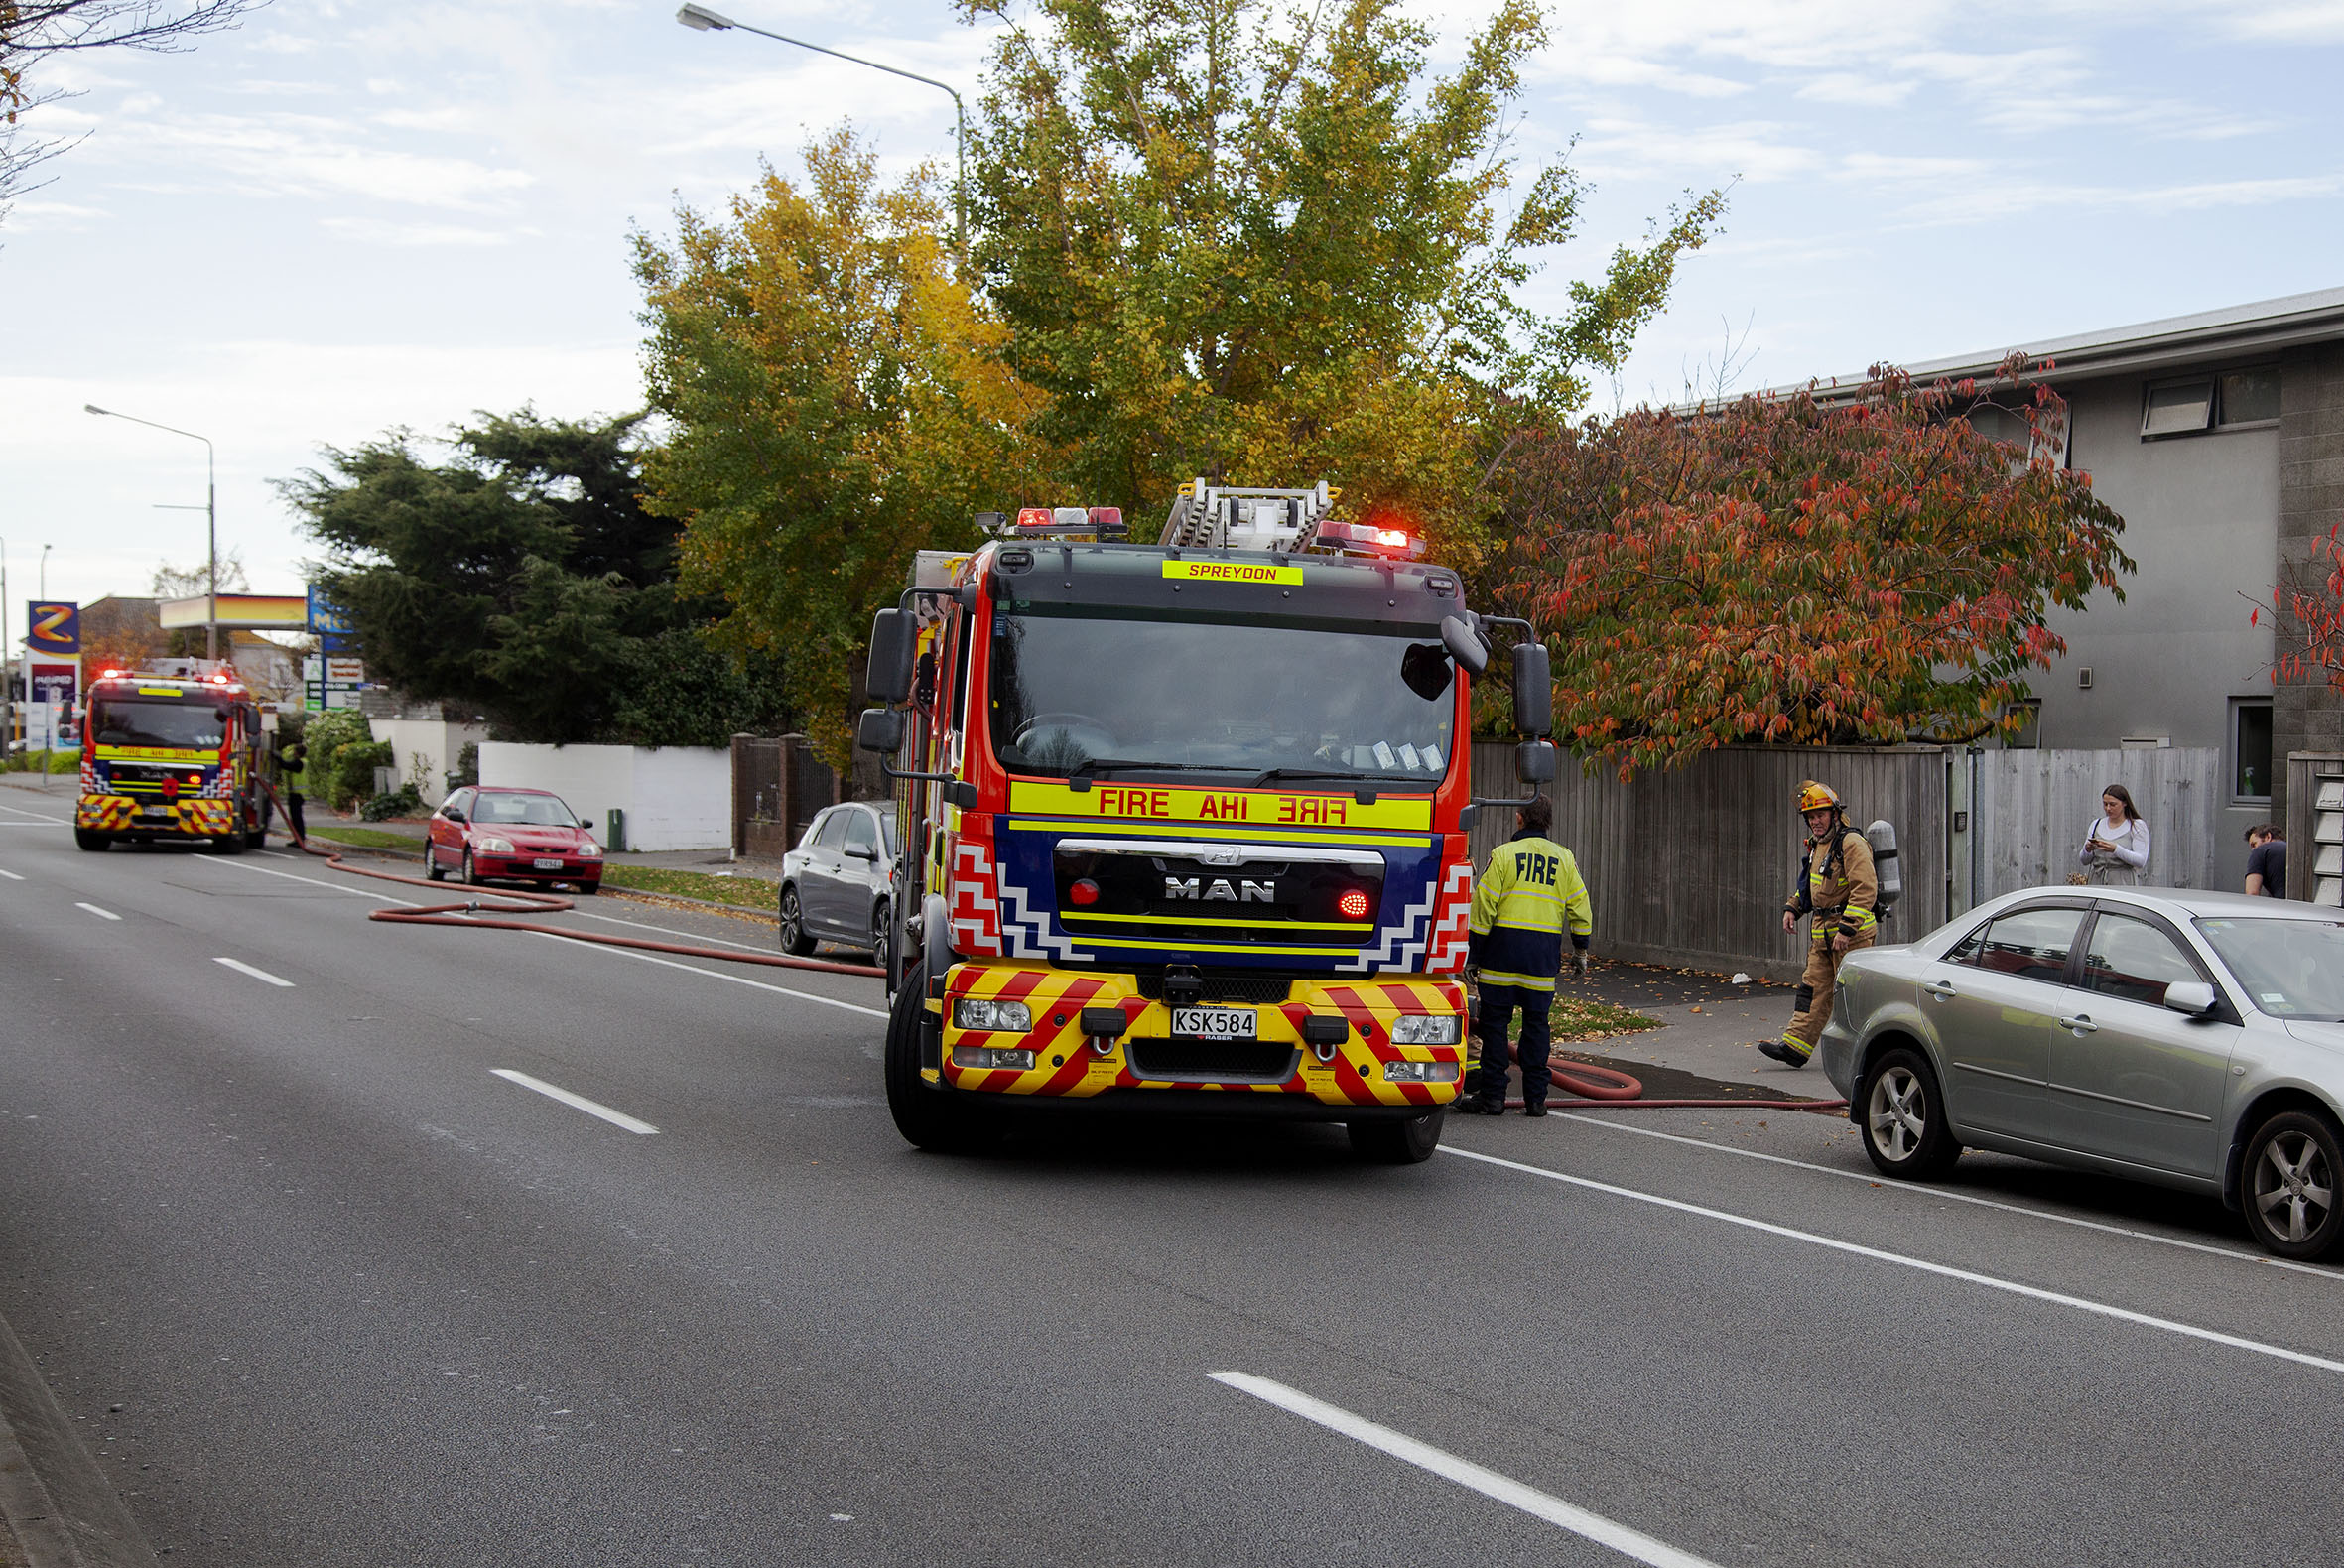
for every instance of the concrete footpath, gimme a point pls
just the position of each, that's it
(1710, 1029)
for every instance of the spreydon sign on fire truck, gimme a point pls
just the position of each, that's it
(1183, 824)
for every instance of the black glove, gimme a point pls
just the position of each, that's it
(1578, 962)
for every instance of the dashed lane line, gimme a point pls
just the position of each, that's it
(618, 1118)
(1942, 1270)
(12, 877)
(242, 967)
(102, 914)
(1938, 1191)
(1489, 1483)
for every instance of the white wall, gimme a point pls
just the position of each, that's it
(674, 797)
(436, 743)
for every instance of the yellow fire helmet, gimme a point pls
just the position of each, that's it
(1817, 797)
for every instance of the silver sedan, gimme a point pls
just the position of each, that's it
(2190, 1039)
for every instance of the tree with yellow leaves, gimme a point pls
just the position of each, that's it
(838, 400)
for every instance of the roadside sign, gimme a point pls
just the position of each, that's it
(54, 628)
(327, 622)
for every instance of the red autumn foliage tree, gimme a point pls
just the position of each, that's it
(1797, 569)
(2307, 613)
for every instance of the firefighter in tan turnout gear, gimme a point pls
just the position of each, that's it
(1839, 893)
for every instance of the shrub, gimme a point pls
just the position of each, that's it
(401, 801)
(351, 775)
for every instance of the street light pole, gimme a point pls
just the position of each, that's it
(701, 19)
(210, 520)
(7, 662)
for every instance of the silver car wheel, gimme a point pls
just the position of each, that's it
(2294, 1187)
(1898, 1112)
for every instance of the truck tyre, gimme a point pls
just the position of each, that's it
(934, 1120)
(1408, 1143)
(229, 843)
(91, 840)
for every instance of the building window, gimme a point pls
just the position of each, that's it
(2246, 397)
(2232, 400)
(2178, 409)
(2250, 750)
(2028, 736)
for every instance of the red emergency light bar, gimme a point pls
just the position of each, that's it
(1101, 521)
(1368, 537)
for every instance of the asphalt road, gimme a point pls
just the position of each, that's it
(319, 1286)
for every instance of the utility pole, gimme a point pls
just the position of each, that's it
(210, 519)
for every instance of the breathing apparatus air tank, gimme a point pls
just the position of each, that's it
(1881, 835)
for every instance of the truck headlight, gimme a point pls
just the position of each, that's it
(983, 1012)
(493, 845)
(1419, 1072)
(1418, 1028)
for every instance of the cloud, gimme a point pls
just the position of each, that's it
(1754, 150)
(373, 231)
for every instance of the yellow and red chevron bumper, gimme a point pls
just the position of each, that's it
(1069, 1062)
(191, 817)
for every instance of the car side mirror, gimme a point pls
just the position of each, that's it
(1533, 689)
(888, 675)
(881, 730)
(2190, 998)
(1533, 761)
(453, 816)
(862, 851)
(1470, 653)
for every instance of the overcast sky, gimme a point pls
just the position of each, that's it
(344, 217)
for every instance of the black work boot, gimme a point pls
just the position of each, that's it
(1535, 1108)
(1783, 1051)
(1477, 1106)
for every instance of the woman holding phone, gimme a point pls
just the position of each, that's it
(2115, 845)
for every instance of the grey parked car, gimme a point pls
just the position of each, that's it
(839, 883)
(2190, 1039)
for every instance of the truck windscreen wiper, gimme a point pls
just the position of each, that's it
(1091, 765)
(1266, 774)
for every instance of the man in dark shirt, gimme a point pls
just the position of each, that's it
(2267, 860)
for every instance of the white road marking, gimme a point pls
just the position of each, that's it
(688, 936)
(263, 975)
(12, 877)
(1489, 1483)
(35, 816)
(648, 958)
(742, 979)
(1910, 1188)
(262, 870)
(618, 1118)
(102, 914)
(1942, 1270)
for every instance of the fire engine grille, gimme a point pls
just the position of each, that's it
(1252, 989)
(1215, 1061)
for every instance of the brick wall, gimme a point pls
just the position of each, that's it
(2307, 717)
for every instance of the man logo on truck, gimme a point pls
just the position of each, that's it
(1245, 891)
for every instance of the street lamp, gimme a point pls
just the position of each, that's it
(701, 19)
(210, 519)
(44, 573)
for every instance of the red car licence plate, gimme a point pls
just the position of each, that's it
(545, 863)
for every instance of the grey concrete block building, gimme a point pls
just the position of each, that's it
(2220, 439)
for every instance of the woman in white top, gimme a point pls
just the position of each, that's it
(2116, 847)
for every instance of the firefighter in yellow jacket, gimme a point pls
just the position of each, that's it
(1530, 894)
(1839, 893)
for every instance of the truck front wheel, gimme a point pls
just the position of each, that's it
(89, 839)
(1408, 1143)
(934, 1120)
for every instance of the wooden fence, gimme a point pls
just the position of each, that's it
(2032, 808)
(1690, 867)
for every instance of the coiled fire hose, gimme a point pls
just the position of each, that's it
(1600, 1088)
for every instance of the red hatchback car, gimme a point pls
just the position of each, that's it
(511, 834)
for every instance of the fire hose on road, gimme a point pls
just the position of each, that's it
(1600, 1088)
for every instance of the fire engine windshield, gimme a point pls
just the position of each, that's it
(147, 721)
(1095, 691)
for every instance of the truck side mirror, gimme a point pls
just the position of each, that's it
(881, 730)
(888, 675)
(1470, 653)
(1533, 691)
(1533, 761)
